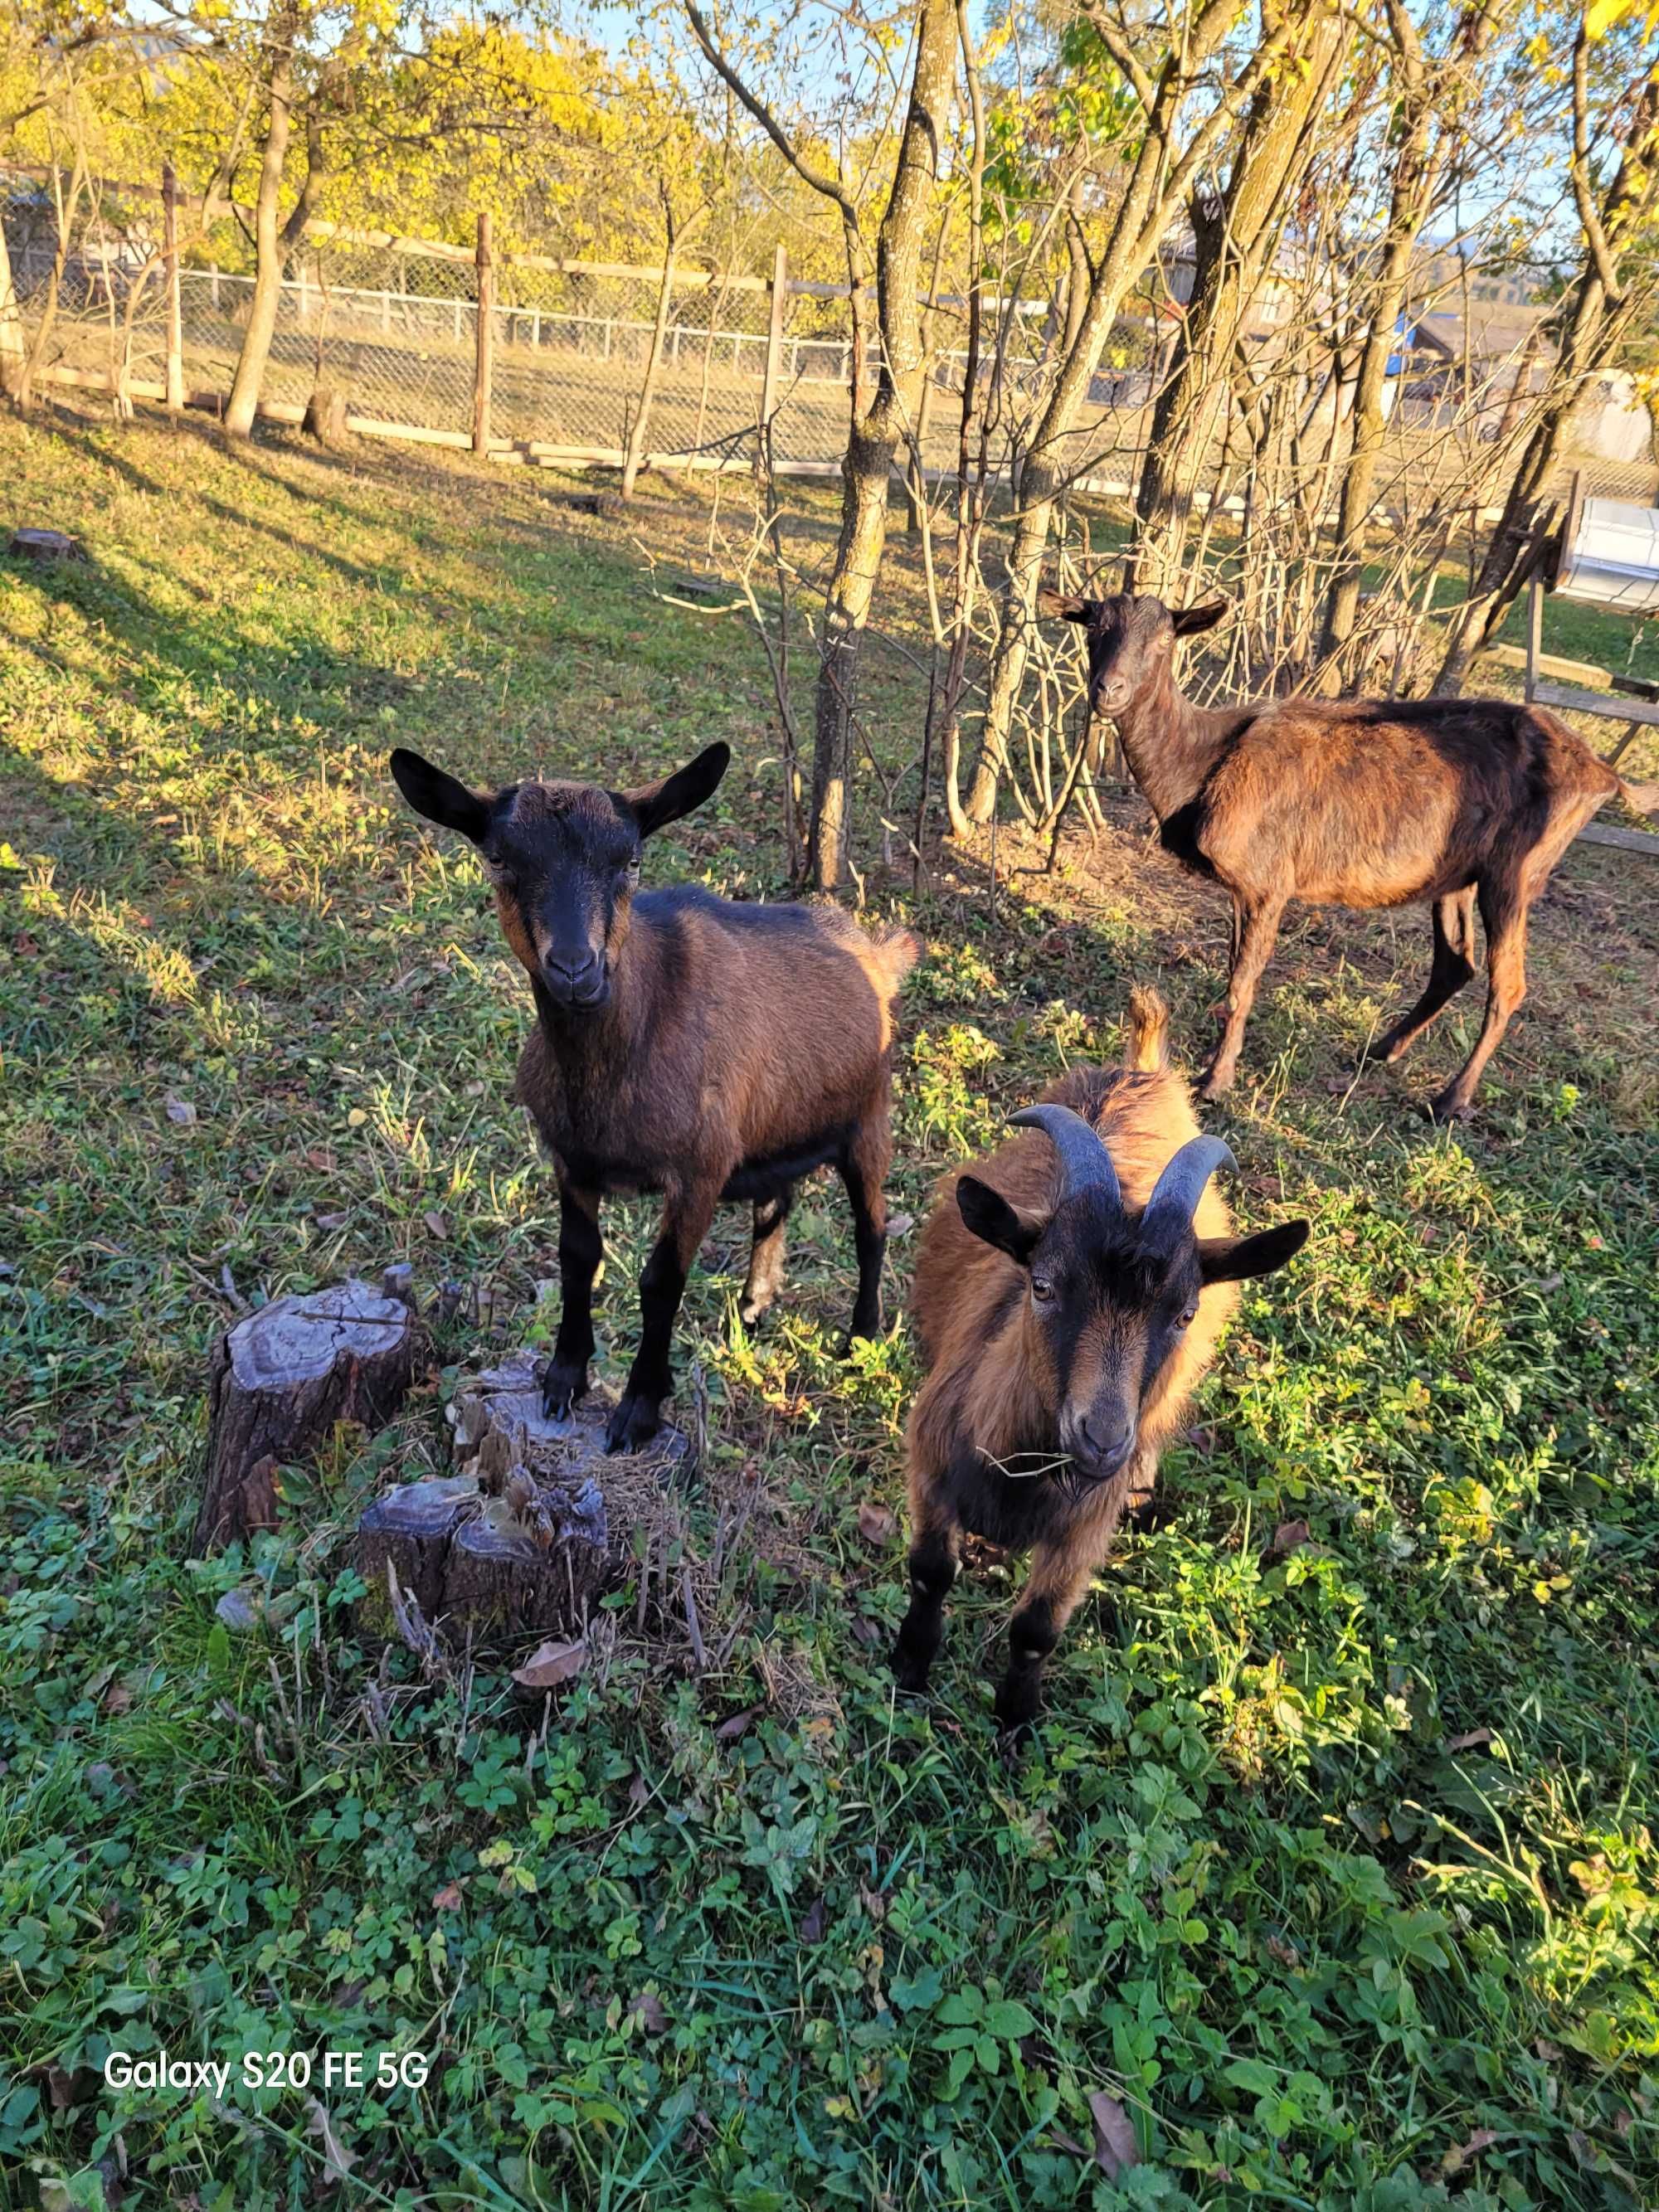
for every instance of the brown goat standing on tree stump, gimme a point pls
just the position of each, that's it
(685, 1044)
(1070, 1291)
(1349, 802)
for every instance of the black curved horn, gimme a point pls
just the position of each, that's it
(1175, 1194)
(1085, 1162)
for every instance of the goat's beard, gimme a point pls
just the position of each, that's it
(1071, 1483)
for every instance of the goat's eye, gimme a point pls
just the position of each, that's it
(1042, 1289)
(1187, 1316)
(628, 874)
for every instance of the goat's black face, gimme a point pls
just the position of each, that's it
(1111, 1312)
(1130, 641)
(565, 862)
(564, 859)
(1109, 1304)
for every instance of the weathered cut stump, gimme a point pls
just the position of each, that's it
(535, 1525)
(326, 416)
(46, 545)
(281, 1380)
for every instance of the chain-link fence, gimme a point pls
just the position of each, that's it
(573, 351)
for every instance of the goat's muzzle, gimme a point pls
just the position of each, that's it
(1099, 1444)
(1109, 696)
(581, 987)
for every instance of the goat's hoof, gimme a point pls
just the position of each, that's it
(910, 1675)
(1447, 1106)
(562, 1388)
(865, 1324)
(1215, 1084)
(632, 1425)
(1014, 1739)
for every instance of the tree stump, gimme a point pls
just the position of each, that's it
(45, 545)
(535, 1525)
(326, 416)
(280, 1381)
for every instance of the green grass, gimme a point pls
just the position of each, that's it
(1335, 1870)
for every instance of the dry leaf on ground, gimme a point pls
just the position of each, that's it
(549, 1664)
(1116, 2147)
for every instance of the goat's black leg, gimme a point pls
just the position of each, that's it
(1060, 1575)
(1453, 966)
(766, 1258)
(565, 1377)
(863, 1168)
(933, 1571)
(1506, 903)
(662, 1285)
(1504, 914)
(1032, 1636)
(1257, 934)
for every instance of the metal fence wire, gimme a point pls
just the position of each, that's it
(391, 327)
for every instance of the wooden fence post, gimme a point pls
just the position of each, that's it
(780, 294)
(484, 366)
(175, 369)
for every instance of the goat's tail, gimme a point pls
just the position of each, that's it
(1643, 797)
(895, 952)
(1147, 1045)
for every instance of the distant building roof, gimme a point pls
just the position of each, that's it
(1491, 330)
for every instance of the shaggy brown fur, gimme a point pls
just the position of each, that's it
(685, 1044)
(1349, 802)
(1010, 1374)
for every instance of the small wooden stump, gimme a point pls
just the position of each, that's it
(326, 416)
(45, 545)
(281, 1380)
(535, 1525)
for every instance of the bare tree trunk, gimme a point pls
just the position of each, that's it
(971, 454)
(250, 376)
(1159, 182)
(1234, 232)
(1603, 305)
(633, 454)
(274, 242)
(873, 437)
(35, 352)
(888, 366)
(1423, 96)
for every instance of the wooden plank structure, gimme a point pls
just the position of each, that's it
(1614, 705)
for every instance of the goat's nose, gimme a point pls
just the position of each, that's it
(1108, 1439)
(576, 979)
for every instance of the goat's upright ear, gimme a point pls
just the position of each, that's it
(655, 804)
(987, 1213)
(1061, 606)
(1236, 1259)
(1190, 620)
(440, 797)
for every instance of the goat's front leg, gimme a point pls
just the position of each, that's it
(1060, 1575)
(581, 1250)
(1256, 935)
(685, 1224)
(934, 1562)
